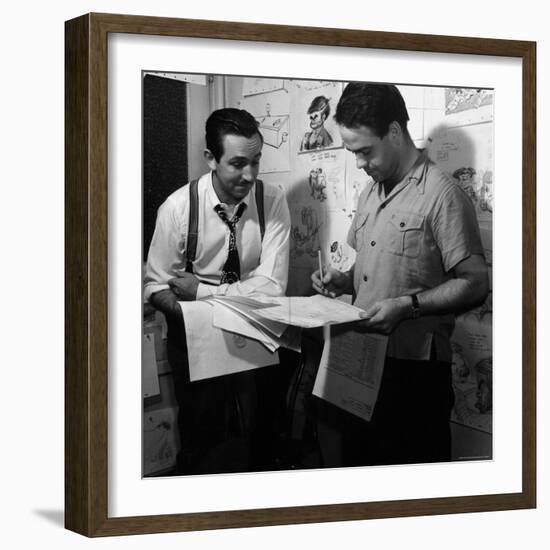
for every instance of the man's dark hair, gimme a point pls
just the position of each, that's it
(373, 105)
(320, 103)
(229, 121)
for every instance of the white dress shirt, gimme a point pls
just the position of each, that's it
(264, 265)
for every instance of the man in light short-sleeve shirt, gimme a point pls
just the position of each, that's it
(419, 261)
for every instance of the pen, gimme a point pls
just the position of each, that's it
(321, 275)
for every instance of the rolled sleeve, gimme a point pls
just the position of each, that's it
(455, 227)
(165, 251)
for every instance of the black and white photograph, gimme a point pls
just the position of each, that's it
(317, 274)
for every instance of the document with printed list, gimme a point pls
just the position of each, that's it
(351, 369)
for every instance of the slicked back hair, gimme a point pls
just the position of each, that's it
(225, 122)
(375, 106)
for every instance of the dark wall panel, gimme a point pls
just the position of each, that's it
(164, 146)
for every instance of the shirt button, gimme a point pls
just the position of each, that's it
(402, 224)
(372, 243)
(365, 278)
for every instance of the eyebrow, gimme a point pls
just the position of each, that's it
(245, 158)
(361, 150)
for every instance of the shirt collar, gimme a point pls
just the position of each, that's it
(416, 176)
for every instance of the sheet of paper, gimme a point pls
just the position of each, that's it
(214, 352)
(351, 370)
(247, 307)
(315, 311)
(227, 319)
(150, 379)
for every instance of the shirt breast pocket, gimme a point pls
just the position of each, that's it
(359, 230)
(405, 234)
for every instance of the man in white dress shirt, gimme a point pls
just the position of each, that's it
(225, 234)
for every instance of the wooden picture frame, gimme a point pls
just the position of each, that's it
(86, 281)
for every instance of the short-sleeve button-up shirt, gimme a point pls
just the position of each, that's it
(409, 241)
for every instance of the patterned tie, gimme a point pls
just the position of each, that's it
(231, 271)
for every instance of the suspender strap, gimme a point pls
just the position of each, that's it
(193, 226)
(260, 206)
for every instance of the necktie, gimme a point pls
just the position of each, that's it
(231, 271)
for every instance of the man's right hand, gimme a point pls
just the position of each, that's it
(167, 302)
(334, 283)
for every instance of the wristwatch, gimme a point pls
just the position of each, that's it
(415, 310)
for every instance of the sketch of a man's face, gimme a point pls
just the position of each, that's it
(316, 119)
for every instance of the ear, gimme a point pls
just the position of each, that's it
(395, 132)
(210, 159)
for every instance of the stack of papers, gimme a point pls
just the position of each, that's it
(274, 321)
(230, 334)
(240, 315)
(315, 311)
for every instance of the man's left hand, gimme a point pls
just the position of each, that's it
(385, 315)
(185, 287)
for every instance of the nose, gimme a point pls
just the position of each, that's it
(248, 174)
(361, 163)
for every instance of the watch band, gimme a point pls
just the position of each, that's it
(415, 312)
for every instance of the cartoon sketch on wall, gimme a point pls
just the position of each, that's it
(311, 85)
(322, 178)
(484, 371)
(473, 389)
(342, 256)
(254, 86)
(486, 191)
(466, 154)
(159, 441)
(318, 184)
(305, 238)
(479, 189)
(311, 109)
(336, 251)
(271, 112)
(464, 177)
(274, 129)
(463, 99)
(318, 137)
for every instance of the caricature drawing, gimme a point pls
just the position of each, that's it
(318, 137)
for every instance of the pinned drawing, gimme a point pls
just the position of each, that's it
(254, 86)
(273, 122)
(465, 178)
(478, 186)
(274, 129)
(311, 112)
(159, 441)
(463, 99)
(473, 389)
(318, 137)
(342, 256)
(472, 368)
(305, 238)
(318, 184)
